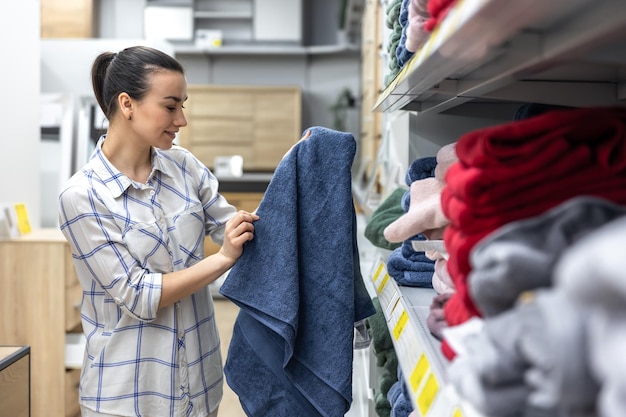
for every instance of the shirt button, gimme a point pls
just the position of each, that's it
(119, 301)
(151, 192)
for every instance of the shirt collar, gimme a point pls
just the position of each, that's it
(116, 181)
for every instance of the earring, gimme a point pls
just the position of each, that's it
(130, 117)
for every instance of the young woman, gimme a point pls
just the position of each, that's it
(136, 216)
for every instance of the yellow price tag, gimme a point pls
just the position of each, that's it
(419, 372)
(23, 224)
(377, 273)
(457, 412)
(381, 287)
(426, 398)
(400, 325)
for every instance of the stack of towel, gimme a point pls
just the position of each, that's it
(522, 169)
(531, 357)
(406, 265)
(386, 358)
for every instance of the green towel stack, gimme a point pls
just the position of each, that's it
(386, 358)
(388, 212)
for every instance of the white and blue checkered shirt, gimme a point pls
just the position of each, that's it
(124, 235)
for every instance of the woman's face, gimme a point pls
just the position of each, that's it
(159, 115)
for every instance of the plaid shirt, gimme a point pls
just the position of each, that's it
(124, 235)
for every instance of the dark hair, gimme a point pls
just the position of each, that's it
(127, 71)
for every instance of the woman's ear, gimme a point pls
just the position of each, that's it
(125, 103)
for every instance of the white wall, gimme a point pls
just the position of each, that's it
(66, 63)
(19, 107)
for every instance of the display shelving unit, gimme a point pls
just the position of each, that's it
(487, 55)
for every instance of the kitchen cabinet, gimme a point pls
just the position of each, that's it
(39, 303)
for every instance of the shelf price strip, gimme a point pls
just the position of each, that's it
(426, 397)
(424, 383)
(400, 325)
(383, 277)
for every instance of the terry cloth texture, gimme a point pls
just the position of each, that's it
(442, 282)
(385, 214)
(400, 405)
(424, 211)
(422, 202)
(529, 360)
(402, 53)
(410, 268)
(591, 273)
(416, 35)
(521, 169)
(521, 255)
(299, 287)
(419, 169)
(437, 9)
(378, 330)
(436, 320)
(393, 22)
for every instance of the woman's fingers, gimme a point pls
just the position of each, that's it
(242, 224)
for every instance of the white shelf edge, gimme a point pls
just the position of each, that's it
(419, 356)
(205, 14)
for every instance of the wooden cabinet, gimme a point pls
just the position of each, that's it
(258, 123)
(15, 381)
(39, 302)
(67, 19)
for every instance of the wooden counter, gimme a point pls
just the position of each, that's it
(15, 381)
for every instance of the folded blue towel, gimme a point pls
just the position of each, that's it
(410, 268)
(299, 287)
(400, 405)
(419, 169)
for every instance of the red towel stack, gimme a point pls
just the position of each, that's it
(521, 169)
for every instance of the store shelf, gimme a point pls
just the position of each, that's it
(251, 49)
(531, 51)
(219, 14)
(423, 366)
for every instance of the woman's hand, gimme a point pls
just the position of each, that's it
(239, 230)
(306, 135)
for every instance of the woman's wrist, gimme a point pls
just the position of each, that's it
(229, 261)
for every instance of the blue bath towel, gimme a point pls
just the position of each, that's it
(299, 287)
(410, 268)
(419, 169)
